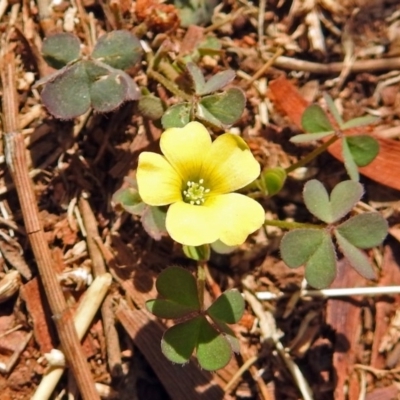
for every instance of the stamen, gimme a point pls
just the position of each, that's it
(194, 193)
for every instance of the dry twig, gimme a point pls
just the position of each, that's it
(16, 162)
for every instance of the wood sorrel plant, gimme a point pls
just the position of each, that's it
(357, 150)
(96, 81)
(188, 191)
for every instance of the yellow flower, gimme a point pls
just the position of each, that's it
(196, 176)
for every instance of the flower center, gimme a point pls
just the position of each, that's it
(195, 193)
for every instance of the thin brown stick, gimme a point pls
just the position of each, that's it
(16, 161)
(99, 268)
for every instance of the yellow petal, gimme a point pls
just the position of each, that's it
(229, 165)
(185, 148)
(158, 183)
(192, 225)
(238, 216)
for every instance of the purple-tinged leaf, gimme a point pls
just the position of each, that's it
(67, 95)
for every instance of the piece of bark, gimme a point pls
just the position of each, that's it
(385, 393)
(344, 316)
(385, 306)
(38, 310)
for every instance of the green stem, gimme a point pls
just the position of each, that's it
(169, 85)
(201, 282)
(168, 70)
(292, 225)
(316, 152)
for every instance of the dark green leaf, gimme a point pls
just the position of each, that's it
(229, 307)
(60, 49)
(364, 230)
(357, 258)
(225, 107)
(316, 199)
(153, 221)
(176, 116)
(179, 341)
(299, 245)
(350, 165)
(164, 308)
(67, 95)
(180, 286)
(363, 149)
(218, 81)
(120, 49)
(315, 120)
(321, 266)
(213, 350)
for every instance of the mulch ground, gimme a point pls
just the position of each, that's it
(336, 348)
